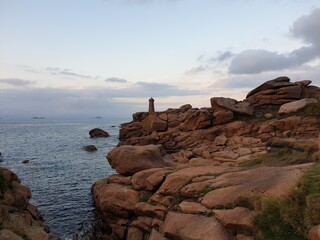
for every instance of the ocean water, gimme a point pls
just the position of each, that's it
(59, 173)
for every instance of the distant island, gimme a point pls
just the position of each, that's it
(38, 118)
(98, 117)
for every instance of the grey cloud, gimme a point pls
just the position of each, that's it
(74, 74)
(82, 102)
(146, 89)
(257, 61)
(54, 69)
(307, 28)
(16, 82)
(66, 72)
(116, 80)
(49, 102)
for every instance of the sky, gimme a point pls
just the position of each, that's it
(88, 58)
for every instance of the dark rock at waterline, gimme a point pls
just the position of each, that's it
(26, 161)
(90, 148)
(97, 132)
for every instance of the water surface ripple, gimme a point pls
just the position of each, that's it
(59, 173)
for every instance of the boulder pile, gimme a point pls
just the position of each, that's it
(19, 219)
(179, 173)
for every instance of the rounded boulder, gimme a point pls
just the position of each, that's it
(97, 132)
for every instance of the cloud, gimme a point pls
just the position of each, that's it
(196, 70)
(66, 72)
(306, 28)
(89, 102)
(16, 82)
(223, 56)
(146, 89)
(116, 80)
(257, 61)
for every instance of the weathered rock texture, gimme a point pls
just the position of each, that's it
(192, 187)
(18, 218)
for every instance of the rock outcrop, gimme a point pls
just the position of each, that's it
(18, 218)
(97, 132)
(89, 148)
(180, 173)
(280, 90)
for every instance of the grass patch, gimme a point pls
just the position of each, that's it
(206, 190)
(146, 197)
(4, 185)
(292, 217)
(285, 153)
(246, 202)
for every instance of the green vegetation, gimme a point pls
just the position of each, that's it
(285, 153)
(311, 110)
(206, 190)
(248, 202)
(146, 197)
(175, 202)
(4, 185)
(292, 217)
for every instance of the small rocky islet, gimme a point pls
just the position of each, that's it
(237, 170)
(231, 171)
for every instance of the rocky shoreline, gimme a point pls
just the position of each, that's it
(194, 174)
(19, 219)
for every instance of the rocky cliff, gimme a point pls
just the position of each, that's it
(192, 173)
(18, 218)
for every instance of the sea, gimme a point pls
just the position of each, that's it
(59, 173)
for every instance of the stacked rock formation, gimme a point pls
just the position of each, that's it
(18, 218)
(178, 169)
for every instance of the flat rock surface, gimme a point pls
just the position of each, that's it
(267, 181)
(193, 227)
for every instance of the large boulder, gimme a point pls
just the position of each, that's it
(127, 160)
(296, 105)
(200, 119)
(242, 108)
(97, 132)
(193, 227)
(115, 198)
